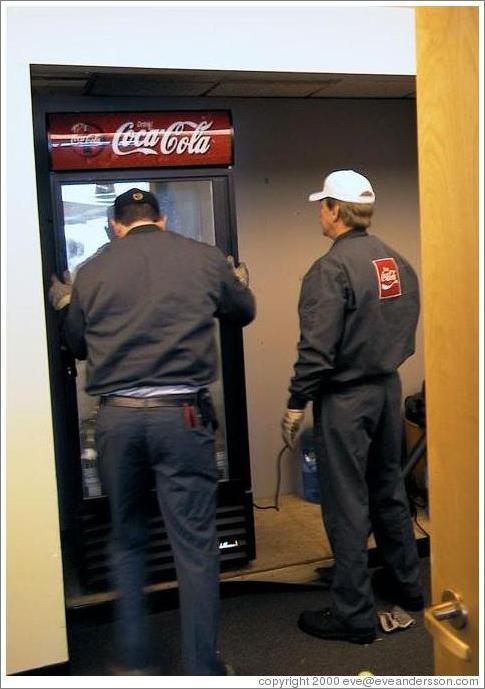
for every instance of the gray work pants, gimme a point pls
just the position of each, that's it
(358, 439)
(130, 443)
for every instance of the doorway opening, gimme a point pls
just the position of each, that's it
(289, 130)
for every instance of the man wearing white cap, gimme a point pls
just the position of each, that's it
(359, 307)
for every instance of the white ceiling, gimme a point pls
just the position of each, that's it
(92, 81)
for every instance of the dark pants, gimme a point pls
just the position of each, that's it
(358, 438)
(131, 443)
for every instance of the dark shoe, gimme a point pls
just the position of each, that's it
(321, 623)
(386, 587)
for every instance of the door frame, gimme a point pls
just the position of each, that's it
(447, 42)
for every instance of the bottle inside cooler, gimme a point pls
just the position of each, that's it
(221, 458)
(89, 458)
(217, 395)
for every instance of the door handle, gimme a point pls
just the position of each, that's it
(452, 610)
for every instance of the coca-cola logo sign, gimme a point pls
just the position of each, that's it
(86, 139)
(150, 141)
(107, 140)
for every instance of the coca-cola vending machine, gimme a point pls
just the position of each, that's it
(84, 160)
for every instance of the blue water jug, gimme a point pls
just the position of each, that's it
(308, 460)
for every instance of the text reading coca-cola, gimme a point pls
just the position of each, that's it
(114, 140)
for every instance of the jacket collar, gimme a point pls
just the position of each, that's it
(351, 234)
(141, 229)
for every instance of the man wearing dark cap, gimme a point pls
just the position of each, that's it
(142, 313)
(359, 307)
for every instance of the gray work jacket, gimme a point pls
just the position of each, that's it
(142, 311)
(358, 308)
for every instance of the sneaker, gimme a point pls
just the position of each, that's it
(387, 621)
(321, 623)
(401, 617)
(394, 620)
(386, 587)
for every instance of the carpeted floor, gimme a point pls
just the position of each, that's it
(259, 636)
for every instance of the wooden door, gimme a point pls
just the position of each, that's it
(447, 105)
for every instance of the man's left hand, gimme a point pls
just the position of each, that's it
(241, 271)
(60, 292)
(290, 425)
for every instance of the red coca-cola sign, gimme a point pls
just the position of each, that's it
(140, 139)
(388, 279)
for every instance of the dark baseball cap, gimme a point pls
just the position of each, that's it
(134, 197)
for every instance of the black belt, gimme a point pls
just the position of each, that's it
(341, 386)
(149, 402)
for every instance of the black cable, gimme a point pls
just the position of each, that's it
(417, 452)
(415, 504)
(421, 528)
(415, 455)
(276, 505)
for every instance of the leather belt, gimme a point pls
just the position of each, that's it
(148, 402)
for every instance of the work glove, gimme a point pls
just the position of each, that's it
(290, 425)
(395, 620)
(241, 271)
(60, 292)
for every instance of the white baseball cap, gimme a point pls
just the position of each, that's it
(345, 185)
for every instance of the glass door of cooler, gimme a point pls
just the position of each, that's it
(85, 205)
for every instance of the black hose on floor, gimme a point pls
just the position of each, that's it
(276, 505)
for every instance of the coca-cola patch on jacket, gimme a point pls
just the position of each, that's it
(388, 280)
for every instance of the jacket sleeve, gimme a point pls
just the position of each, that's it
(236, 302)
(73, 327)
(321, 310)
